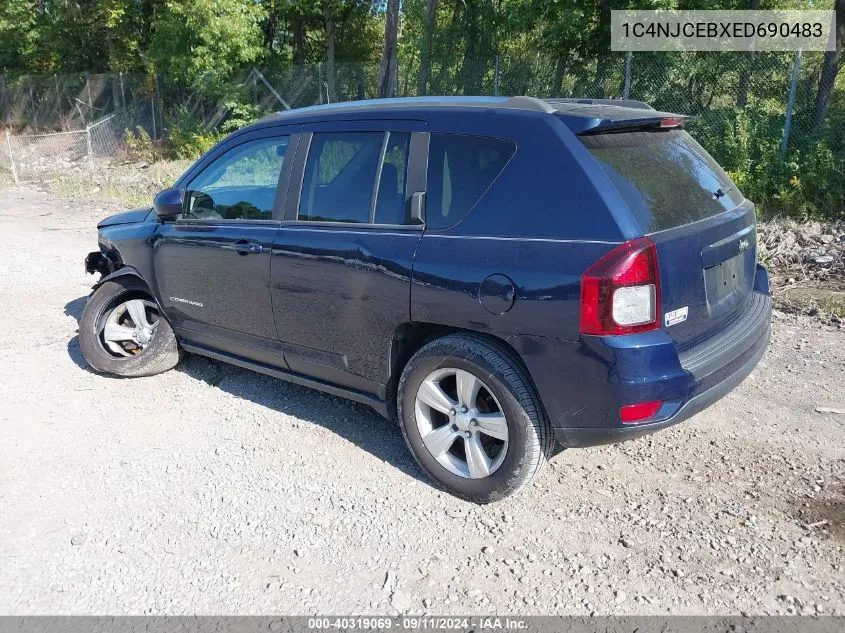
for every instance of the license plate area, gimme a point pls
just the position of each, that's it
(727, 283)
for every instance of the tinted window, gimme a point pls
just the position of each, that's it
(460, 170)
(241, 184)
(666, 178)
(390, 202)
(340, 176)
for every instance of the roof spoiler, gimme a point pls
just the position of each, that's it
(625, 103)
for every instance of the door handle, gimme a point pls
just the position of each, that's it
(243, 247)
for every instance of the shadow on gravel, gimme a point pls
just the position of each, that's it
(74, 308)
(353, 422)
(824, 514)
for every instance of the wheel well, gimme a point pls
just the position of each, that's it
(409, 338)
(123, 271)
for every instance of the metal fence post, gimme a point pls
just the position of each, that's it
(320, 80)
(626, 90)
(11, 156)
(153, 105)
(790, 102)
(32, 105)
(496, 78)
(122, 96)
(89, 154)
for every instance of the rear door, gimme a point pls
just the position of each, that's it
(703, 227)
(342, 259)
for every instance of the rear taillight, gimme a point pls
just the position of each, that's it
(620, 293)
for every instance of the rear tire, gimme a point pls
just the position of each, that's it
(503, 439)
(126, 349)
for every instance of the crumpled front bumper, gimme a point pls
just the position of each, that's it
(96, 262)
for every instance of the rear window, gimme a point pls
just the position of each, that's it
(665, 177)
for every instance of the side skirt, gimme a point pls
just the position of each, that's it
(379, 406)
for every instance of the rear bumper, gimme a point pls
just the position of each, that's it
(606, 373)
(594, 436)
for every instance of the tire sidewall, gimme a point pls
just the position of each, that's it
(521, 431)
(105, 297)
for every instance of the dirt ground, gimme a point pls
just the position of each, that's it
(210, 489)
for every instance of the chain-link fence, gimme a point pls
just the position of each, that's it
(773, 97)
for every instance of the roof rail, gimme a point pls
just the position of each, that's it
(625, 103)
(528, 103)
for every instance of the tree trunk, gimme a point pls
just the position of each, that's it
(271, 25)
(603, 50)
(745, 73)
(425, 58)
(443, 75)
(479, 25)
(298, 28)
(389, 68)
(330, 73)
(557, 80)
(830, 69)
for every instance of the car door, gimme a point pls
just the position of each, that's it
(212, 265)
(342, 259)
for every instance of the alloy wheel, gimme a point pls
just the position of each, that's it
(129, 327)
(461, 423)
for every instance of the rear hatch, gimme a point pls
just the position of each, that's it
(703, 228)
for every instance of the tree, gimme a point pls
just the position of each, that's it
(17, 34)
(745, 73)
(328, 20)
(830, 69)
(389, 66)
(425, 55)
(202, 43)
(601, 39)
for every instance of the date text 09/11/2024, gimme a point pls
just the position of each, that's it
(413, 623)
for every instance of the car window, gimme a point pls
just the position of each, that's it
(239, 185)
(460, 169)
(665, 177)
(390, 201)
(340, 176)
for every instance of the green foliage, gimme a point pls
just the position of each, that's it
(139, 146)
(808, 182)
(240, 114)
(201, 43)
(196, 54)
(188, 137)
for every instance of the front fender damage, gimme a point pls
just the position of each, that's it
(96, 262)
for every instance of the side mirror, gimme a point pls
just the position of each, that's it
(168, 204)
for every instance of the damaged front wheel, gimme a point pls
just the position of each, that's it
(122, 332)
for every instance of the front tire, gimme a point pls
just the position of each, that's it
(472, 419)
(122, 331)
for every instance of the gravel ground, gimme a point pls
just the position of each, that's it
(211, 489)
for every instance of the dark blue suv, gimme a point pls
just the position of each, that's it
(500, 274)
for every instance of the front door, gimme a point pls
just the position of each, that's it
(212, 266)
(342, 260)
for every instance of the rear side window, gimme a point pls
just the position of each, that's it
(390, 200)
(665, 177)
(460, 169)
(339, 177)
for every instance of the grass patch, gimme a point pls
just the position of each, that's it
(832, 308)
(124, 186)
